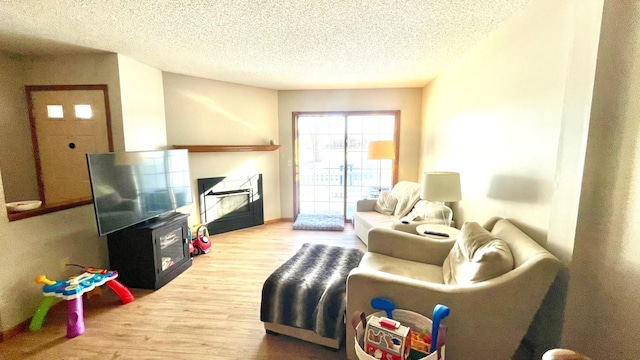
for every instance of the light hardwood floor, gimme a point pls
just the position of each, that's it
(211, 311)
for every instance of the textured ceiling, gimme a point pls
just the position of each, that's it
(277, 44)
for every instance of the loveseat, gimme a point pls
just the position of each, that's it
(399, 209)
(490, 311)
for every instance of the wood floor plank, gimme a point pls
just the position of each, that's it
(211, 311)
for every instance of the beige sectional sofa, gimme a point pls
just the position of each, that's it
(406, 215)
(489, 315)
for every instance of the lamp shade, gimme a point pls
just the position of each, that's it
(379, 150)
(441, 186)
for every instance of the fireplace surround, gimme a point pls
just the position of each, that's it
(228, 203)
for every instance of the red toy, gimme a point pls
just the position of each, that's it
(200, 244)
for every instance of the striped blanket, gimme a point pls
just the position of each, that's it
(308, 291)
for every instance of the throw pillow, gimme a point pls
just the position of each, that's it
(386, 203)
(476, 256)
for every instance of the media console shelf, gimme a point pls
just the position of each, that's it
(151, 254)
(226, 148)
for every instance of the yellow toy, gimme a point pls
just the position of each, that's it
(421, 342)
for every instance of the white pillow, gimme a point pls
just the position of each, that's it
(386, 203)
(408, 194)
(419, 211)
(476, 256)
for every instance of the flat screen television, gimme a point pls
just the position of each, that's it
(132, 187)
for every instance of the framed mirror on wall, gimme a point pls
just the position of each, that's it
(66, 122)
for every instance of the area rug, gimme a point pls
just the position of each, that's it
(320, 221)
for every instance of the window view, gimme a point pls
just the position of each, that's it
(83, 111)
(55, 112)
(334, 169)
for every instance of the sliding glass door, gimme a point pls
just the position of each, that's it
(332, 170)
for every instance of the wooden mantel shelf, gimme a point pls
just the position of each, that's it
(226, 148)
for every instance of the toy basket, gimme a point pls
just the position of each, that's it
(415, 321)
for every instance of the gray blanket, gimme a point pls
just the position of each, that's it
(308, 291)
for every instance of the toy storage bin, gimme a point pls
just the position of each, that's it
(414, 320)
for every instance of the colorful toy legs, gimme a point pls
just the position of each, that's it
(75, 309)
(75, 317)
(41, 312)
(122, 291)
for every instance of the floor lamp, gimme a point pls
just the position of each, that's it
(438, 188)
(381, 150)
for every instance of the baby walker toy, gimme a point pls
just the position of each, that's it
(200, 243)
(386, 338)
(72, 290)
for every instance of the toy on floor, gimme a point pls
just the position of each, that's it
(439, 312)
(72, 290)
(387, 339)
(200, 243)
(423, 342)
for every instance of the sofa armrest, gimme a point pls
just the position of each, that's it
(406, 246)
(366, 204)
(506, 304)
(409, 226)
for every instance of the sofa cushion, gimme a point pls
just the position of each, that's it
(401, 267)
(373, 218)
(407, 193)
(386, 203)
(476, 256)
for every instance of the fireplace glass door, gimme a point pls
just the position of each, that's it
(228, 203)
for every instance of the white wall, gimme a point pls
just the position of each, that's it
(42, 244)
(142, 97)
(405, 100)
(80, 70)
(70, 236)
(209, 112)
(495, 116)
(603, 314)
(512, 117)
(16, 153)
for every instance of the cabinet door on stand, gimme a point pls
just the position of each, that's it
(149, 255)
(170, 243)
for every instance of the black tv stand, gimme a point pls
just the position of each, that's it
(151, 254)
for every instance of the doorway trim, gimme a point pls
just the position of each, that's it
(29, 89)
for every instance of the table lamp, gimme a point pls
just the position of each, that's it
(439, 187)
(380, 150)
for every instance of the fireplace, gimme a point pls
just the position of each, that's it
(228, 204)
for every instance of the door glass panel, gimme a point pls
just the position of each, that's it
(171, 248)
(326, 182)
(83, 111)
(368, 177)
(55, 112)
(321, 163)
